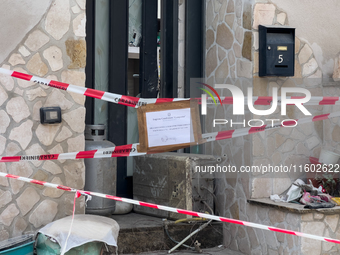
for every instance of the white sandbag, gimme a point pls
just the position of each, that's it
(86, 228)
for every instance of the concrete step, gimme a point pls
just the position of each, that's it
(142, 233)
(211, 251)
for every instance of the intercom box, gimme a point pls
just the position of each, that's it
(276, 51)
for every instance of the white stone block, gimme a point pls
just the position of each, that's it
(244, 69)
(263, 14)
(3, 141)
(288, 146)
(305, 54)
(54, 56)
(58, 19)
(75, 78)
(4, 121)
(63, 134)
(36, 40)
(76, 144)
(7, 82)
(12, 149)
(332, 221)
(34, 93)
(75, 9)
(82, 4)
(79, 25)
(27, 200)
(52, 167)
(3, 95)
(20, 169)
(76, 119)
(22, 134)
(312, 142)
(281, 18)
(5, 198)
(262, 187)
(16, 59)
(310, 67)
(44, 213)
(9, 214)
(46, 133)
(281, 184)
(52, 192)
(57, 98)
(24, 51)
(310, 246)
(75, 175)
(36, 66)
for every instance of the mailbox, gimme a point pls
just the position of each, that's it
(276, 51)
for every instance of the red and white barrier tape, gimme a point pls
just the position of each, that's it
(131, 149)
(111, 152)
(76, 195)
(171, 209)
(136, 102)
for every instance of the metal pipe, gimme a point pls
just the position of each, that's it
(193, 233)
(187, 246)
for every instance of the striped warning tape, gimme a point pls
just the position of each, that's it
(111, 152)
(136, 102)
(171, 209)
(132, 149)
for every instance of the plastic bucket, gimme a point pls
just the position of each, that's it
(328, 157)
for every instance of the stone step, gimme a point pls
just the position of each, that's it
(211, 251)
(142, 233)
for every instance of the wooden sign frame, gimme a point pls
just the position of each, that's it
(142, 125)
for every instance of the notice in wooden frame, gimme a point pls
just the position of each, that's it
(168, 126)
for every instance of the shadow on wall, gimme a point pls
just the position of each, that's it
(20, 17)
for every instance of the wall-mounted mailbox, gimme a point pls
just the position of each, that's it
(276, 51)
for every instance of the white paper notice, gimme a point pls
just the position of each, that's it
(169, 127)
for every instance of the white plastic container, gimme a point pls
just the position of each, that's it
(328, 157)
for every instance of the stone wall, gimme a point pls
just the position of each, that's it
(285, 146)
(257, 241)
(53, 46)
(228, 60)
(232, 44)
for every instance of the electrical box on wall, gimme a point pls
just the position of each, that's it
(50, 115)
(276, 51)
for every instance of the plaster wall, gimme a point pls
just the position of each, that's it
(18, 18)
(316, 22)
